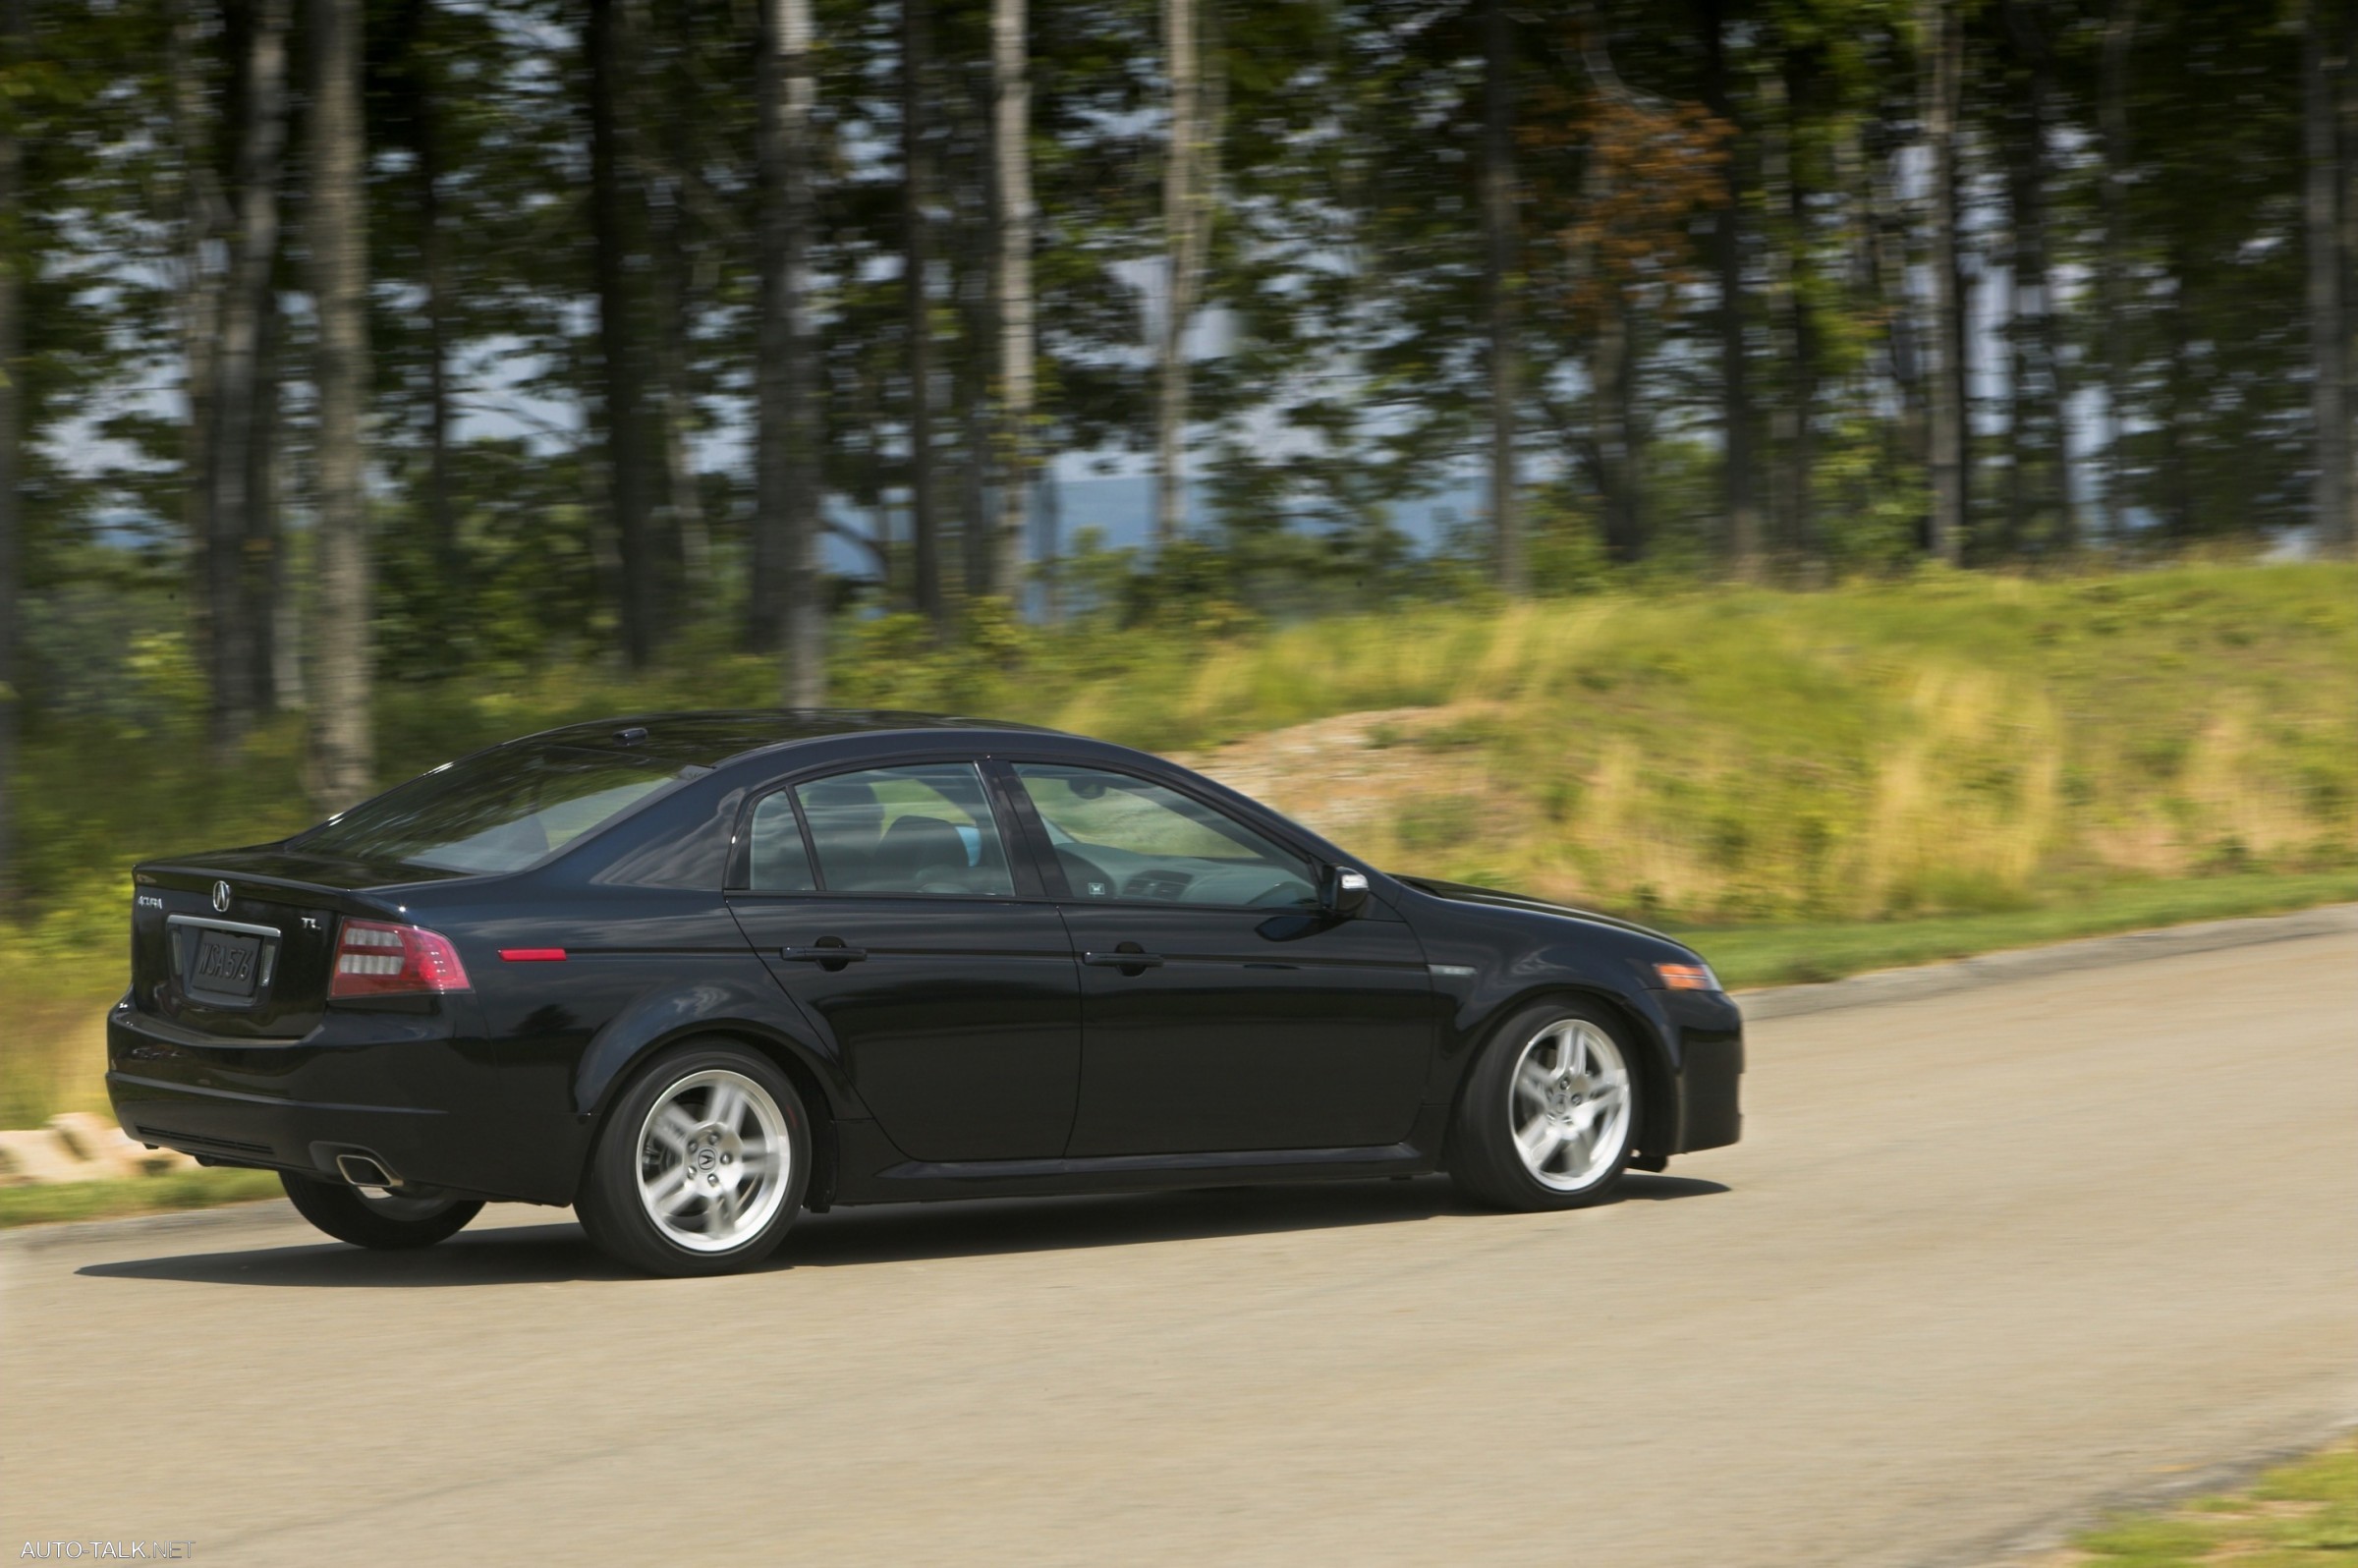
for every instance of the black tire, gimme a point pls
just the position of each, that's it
(1484, 1159)
(394, 1223)
(610, 1205)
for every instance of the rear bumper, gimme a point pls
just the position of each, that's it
(231, 1128)
(399, 1087)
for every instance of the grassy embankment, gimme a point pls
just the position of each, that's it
(136, 1194)
(1804, 784)
(2301, 1515)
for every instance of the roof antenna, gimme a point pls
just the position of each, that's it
(632, 736)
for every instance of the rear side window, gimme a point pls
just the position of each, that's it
(923, 829)
(778, 864)
(499, 810)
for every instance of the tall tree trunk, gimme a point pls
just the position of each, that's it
(1501, 289)
(1791, 419)
(342, 759)
(204, 219)
(1011, 190)
(1186, 237)
(422, 86)
(1613, 350)
(1794, 423)
(622, 369)
(441, 516)
(978, 301)
(685, 536)
(262, 562)
(786, 526)
(2328, 332)
(1727, 260)
(1612, 398)
(1941, 35)
(2039, 508)
(287, 684)
(1884, 223)
(2348, 110)
(2182, 402)
(2113, 282)
(917, 305)
(12, 441)
(230, 613)
(688, 537)
(2062, 481)
(2026, 444)
(1052, 549)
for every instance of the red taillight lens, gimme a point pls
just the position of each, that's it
(375, 959)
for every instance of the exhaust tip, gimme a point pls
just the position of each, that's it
(365, 1170)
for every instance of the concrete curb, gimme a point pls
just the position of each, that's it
(2059, 958)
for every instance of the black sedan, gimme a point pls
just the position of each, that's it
(694, 974)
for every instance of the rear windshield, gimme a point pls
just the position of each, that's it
(498, 810)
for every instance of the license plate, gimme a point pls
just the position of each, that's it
(226, 964)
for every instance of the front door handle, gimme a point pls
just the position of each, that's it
(829, 951)
(1127, 958)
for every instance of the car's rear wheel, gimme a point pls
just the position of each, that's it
(702, 1165)
(388, 1221)
(1550, 1113)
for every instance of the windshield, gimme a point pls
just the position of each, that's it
(499, 810)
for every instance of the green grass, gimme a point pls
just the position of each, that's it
(1784, 955)
(2301, 1515)
(138, 1195)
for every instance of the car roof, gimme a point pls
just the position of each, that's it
(711, 739)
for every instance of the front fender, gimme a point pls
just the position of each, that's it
(1656, 1040)
(1491, 962)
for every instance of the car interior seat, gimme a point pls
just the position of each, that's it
(919, 853)
(845, 819)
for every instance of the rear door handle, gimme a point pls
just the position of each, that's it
(824, 953)
(1128, 963)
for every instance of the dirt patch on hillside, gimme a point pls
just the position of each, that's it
(1353, 776)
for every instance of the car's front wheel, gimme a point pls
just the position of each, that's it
(1550, 1113)
(702, 1165)
(388, 1221)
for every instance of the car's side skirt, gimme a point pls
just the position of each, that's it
(874, 1172)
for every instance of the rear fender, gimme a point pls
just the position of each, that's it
(758, 1013)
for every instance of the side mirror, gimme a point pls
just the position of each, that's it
(1345, 893)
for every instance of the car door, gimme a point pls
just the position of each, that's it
(887, 901)
(1219, 1011)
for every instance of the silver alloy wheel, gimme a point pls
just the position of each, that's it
(712, 1160)
(1568, 1103)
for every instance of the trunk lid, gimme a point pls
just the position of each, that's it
(239, 944)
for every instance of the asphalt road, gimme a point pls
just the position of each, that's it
(1985, 1262)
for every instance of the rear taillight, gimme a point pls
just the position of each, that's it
(375, 959)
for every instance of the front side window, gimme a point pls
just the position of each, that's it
(498, 810)
(922, 829)
(1118, 837)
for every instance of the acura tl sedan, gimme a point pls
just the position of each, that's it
(695, 973)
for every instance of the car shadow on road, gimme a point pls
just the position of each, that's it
(896, 1233)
